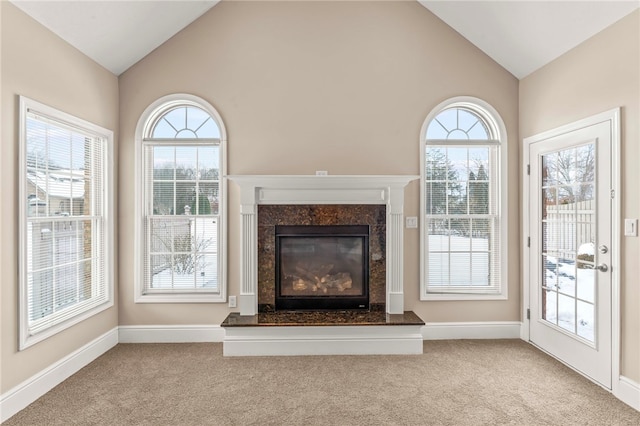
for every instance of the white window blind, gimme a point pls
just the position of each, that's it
(461, 203)
(65, 254)
(182, 218)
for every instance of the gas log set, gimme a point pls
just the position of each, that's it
(322, 267)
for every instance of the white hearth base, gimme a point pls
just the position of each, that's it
(323, 340)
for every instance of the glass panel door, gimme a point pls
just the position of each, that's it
(568, 240)
(571, 259)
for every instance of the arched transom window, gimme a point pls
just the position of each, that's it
(182, 198)
(458, 123)
(185, 122)
(462, 199)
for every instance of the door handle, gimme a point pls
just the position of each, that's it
(601, 267)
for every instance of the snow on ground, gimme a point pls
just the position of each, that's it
(570, 296)
(571, 290)
(206, 279)
(452, 267)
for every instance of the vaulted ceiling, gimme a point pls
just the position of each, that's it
(520, 35)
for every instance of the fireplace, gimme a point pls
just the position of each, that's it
(321, 267)
(267, 201)
(326, 202)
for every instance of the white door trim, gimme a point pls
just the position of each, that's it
(613, 116)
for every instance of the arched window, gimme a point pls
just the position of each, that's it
(463, 194)
(180, 153)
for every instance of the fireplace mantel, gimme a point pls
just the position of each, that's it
(332, 189)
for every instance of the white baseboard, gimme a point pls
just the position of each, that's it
(471, 330)
(170, 333)
(33, 388)
(628, 392)
(215, 333)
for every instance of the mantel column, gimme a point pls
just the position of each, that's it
(248, 299)
(395, 248)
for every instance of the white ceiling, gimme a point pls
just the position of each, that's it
(521, 35)
(115, 33)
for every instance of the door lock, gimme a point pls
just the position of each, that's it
(603, 249)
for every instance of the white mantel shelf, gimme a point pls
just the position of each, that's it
(331, 189)
(312, 189)
(294, 181)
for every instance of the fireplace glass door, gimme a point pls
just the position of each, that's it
(322, 267)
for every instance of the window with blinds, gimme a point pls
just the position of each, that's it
(461, 201)
(66, 250)
(182, 198)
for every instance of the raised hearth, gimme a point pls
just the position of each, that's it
(321, 318)
(322, 333)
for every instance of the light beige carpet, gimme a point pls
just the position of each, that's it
(495, 382)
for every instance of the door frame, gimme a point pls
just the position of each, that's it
(613, 116)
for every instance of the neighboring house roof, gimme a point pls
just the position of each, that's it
(59, 183)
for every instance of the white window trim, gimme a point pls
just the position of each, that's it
(148, 116)
(26, 338)
(496, 121)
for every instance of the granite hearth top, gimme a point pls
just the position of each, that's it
(321, 318)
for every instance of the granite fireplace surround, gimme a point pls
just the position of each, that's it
(267, 201)
(317, 214)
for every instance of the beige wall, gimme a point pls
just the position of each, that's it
(37, 64)
(305, 86)
(600, 74)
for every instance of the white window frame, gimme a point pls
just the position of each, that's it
(491, 117)
(147, 119)
(86, 309)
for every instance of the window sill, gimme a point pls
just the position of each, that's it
(29, 340)
(461, 297)
(180, 298)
